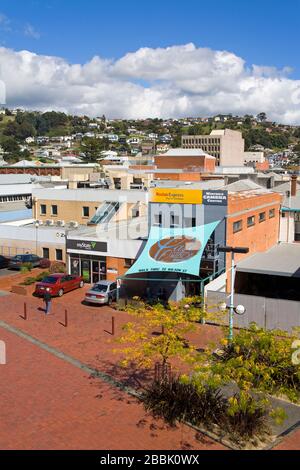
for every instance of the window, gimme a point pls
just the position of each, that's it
(262, 217)
(46, 253)
(174, 220)
(190, 222)
(158, 220)
(54, 210)
(59, 255)
(251, 221)
(271, 213)
(135, 213)
(86, 211)
(43, 209)
(237, 226)
(128, 263)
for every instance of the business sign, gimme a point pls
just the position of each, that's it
(215, 198)
(177, 250)
(84, 245)
(176, 196)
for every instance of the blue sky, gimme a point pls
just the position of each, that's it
(260, 31)
(202, 58)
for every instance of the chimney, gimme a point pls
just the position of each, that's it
(294, 185)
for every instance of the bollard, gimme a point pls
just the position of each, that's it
(113, 326)
(25, 311)
(162, 330)
(66, 318)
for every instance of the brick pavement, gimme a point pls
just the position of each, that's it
(86, 340)
(49, 404)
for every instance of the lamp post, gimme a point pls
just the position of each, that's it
(232, 309)
(36, 237)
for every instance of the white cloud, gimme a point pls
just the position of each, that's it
(30, 31)
(165, 82)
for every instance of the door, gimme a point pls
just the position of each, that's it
(96, 271)
(86, 270)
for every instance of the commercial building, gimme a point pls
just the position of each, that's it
(226, 145)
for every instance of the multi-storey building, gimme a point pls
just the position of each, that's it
(227, 146)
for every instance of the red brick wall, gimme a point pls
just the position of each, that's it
(117, 264)
(260, 237)
(164, 162)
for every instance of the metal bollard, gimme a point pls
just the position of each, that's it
(25, 311)
(113, 326)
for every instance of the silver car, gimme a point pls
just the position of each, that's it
(103, 292)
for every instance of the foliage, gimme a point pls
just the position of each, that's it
(176, 400)
(246, 416)
(242, 416)
(144, 348)
(31, 280)
(26, 267)
(45, 263)
(57, 268)
(255, 359)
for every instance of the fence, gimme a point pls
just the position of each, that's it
(265, 312)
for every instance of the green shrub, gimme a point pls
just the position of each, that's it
(26, 267)
(246, 417)
(28, 281)
(260, 359)
(41, 276)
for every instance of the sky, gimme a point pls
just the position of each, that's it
(158, 58)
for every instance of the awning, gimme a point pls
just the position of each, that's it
(177, 250)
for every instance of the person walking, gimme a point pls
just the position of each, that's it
(47, 300)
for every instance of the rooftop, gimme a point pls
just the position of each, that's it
(180, 152)
(281, 260)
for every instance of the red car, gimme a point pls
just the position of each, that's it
(58, 284)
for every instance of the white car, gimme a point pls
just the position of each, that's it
(103, 292)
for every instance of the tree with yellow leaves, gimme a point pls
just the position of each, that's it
(142, 343)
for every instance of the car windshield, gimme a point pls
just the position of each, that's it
(50, 280)
(100, 288)
(17, 258)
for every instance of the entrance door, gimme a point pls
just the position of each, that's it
(86, 270)
(95, 271)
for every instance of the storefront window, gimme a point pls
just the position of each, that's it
(86, 270)
(75, 266)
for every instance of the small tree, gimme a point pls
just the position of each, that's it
(145, 346)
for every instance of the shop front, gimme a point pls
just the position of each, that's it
(87, 259)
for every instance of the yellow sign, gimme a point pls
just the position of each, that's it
(176, 196)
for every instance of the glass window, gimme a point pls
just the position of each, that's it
(271, 213)
(54, 209)
(43, 209)
(262, 217)
(251, 221)
(128, 263)
(59, 255)
(86, 211)
(237, 226)
(46, 253)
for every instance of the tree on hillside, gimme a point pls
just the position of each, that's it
(262, 117)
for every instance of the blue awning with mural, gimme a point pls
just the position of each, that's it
(177, 250)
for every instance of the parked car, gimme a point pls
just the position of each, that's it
(17, 261)
(4, 262)
(103, 292)
(58, 284)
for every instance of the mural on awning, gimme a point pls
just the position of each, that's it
(174, 250)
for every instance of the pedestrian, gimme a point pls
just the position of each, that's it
(47, 300)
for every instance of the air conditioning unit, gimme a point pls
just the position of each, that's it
(74, 224)
(60, 223)
(49, 223)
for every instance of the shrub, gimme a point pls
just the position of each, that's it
(45, 263)
(41, 276)
(26, 267)
(28, 281)
(246, 416)
(175, 400)
(260, 359)
(57, 267)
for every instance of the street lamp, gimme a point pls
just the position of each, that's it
(36, 236)
(240, 309)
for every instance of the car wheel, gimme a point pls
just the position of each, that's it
(81, 284)
(110, 300)
(60, 293)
